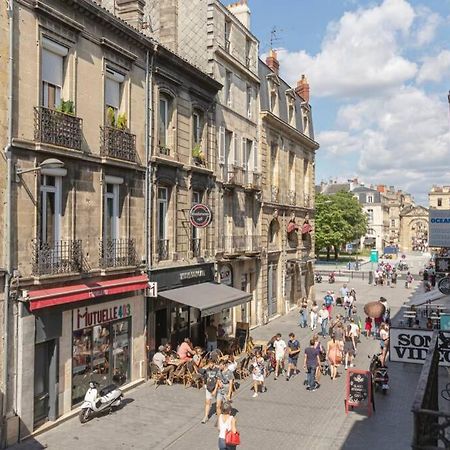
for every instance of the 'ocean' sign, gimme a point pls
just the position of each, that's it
(439, 228)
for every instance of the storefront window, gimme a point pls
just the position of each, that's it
(102, 354)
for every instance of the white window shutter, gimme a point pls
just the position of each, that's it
(255, 157)
(244, 154)
(221, 145)
(250, 156)
(236, 155)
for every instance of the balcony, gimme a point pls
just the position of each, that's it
(57, 128)
(238, 244)
(163, 249)
(119, 144)
(252, 181)
(233, 176)
(163, 151)
(196, 247)
(117, 253)
(274, 194)
(56, 258)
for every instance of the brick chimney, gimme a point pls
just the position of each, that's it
(131, 11)
(242, 12)
(272, 61)
(302, 88)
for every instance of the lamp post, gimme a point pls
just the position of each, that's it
(50, 163)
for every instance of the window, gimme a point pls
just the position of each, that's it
(52, 72)
(292, 171)
(249, 101)
(196, 129)
(164, 122)
(227, 87)
(370, 231)
(392, 222)
(163, 199)
(50, 217)
(273, 100)
(273, 165)
(291, 110)
(439, 201)
(113, 93)
(111, 210)
(369, 198)
(370, 215)
(273, 230)
(248, 49)
(227, 30)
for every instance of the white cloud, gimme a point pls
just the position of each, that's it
(429, 22)
(435, 68)
(360, 54)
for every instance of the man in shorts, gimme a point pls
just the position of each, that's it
(225, 380)
(211, 374)
(293, 352)
(280, 351)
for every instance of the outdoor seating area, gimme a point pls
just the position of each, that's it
(427, 316)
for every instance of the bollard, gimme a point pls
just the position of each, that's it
(370, 277)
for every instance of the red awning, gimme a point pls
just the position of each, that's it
(44, 298)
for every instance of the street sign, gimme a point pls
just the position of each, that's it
(152, 290)
(349, 248)
(200, 215)
(374, 256)
(444, 285)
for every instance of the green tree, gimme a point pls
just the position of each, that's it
(339, 219)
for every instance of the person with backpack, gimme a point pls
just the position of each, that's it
(328, 301)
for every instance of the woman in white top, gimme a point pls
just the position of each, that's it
(226, 422)
(313, 315)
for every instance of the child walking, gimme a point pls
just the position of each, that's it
(368, 326)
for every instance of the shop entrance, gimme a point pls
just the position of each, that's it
(102, 354)
(272, 290)
(44, 379)
(161, 327)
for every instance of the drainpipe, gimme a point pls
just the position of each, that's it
(9, 180)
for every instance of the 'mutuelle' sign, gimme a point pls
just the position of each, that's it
(411, 345)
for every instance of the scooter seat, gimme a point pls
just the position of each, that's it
(107, 389)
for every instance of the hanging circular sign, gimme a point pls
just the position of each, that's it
(200, 215)
(444, 285)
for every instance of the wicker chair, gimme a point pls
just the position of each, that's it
(242, 368)
(179, 372)
(156, 375)
(192, 377)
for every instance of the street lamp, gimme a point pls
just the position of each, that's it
(50, 163)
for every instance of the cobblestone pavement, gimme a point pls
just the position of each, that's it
(287, 415)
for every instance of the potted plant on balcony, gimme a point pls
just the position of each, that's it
(111, 117)
(198, 155)
(66, 107)
(122, 123)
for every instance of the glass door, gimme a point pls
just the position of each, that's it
(41, 383)
(120, 332)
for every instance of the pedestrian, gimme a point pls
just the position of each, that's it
(226, 422)
(258, 370)
(324, 316)
(293, 352)
(349, 347)
(355, 330)
(368, 326)
(377, 323)
(334, 356)
(384, 342)
(409, 280)
(211, 374)
(313, 315)
(394, 278)
(387, 310)
(211, 336)
(328, 300)
(310, 363)
(322, 357)
(280, 353)
(303, 313)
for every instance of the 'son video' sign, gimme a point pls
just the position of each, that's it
(439, 228)
(411, 345)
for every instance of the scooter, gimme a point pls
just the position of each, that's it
(96, 402)
(380, 374)
(318, 278)
(331, 278)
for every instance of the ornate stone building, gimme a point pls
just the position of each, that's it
(439, 197)
(414, 228)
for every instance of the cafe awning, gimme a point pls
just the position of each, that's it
(209, 298)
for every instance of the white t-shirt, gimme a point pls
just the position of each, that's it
(280, 347)
(354, 329)
(384, 334)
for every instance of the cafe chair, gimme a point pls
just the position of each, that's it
(192, 378)
(242, 367)
(179, 372)
(156, 375)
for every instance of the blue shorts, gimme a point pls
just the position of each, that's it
(293, 361)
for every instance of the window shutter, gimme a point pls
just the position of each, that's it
(221, 145)
(244, 154)
(237, 154)
(112, 93)
(250, 155)
(255, 157)
(52, 68)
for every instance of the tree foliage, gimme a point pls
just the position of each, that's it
(339, 219)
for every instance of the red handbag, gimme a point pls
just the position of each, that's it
(232, 438)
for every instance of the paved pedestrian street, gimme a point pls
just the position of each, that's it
(286, 416)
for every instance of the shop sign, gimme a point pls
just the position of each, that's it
(226, 275)
(92, 315)
(444, 285)
(200, 215)
(411, 345)
(190, 274)
(439, 229)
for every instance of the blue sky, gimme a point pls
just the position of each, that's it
(379, 73)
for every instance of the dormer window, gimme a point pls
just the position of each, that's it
(227, 31)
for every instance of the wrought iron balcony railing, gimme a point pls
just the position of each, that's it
(118, 144)
(196, 247)
(163, 150)
(57, 128)
(163, 249)
(52, 258)
(117, 253)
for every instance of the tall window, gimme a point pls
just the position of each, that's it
(370, 215)
(113, 93)
(248, 48)
(439, 201)
(196, 128)
(273, 161)
(291, 113)
(292, 171)
(52, 72)
(273, 98)
(111, 212)
(370, 198)
(249, 92)
(164, 121)
(50, 209)
(163, 199)
(227, 87)
(227, 31)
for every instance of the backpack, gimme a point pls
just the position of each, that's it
(328, 300)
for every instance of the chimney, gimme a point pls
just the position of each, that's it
(242, 12)
(131, 11)
(302, 88)
(272, 61)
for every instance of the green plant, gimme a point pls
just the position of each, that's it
(122, 122)
(111, 117)
(66, 107)
(197, 153)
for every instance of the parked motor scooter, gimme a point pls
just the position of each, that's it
(331, 278)
(96, 402)
(318, 278)
(380, 374)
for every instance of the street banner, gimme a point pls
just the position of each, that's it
(439, 228)
(411, 345)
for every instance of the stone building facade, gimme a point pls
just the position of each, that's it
(414, 228)
(439, 197)
(287, 199)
